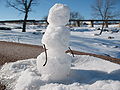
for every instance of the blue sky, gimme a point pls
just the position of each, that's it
(41, 10)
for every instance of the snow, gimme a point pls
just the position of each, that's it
(55, 37)
(55, 65)
(87, 73)
(84, 39)
(81, 39)
(15, 35)
(59, 15)
(56, 40)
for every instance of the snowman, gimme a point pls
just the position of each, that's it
(56, 41)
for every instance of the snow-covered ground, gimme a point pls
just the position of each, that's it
(82, 38)
(87, 73)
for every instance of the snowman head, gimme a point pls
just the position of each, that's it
(59, 15)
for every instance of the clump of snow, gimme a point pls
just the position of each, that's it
(56, 39)
(59, 15)
(87, 73)
(28, 80)
(54, 67)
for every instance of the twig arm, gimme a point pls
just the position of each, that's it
(45, 54)
(71, 52)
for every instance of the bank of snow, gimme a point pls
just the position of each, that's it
(87, 73)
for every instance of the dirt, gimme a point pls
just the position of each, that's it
(2, 87)
(11, 52)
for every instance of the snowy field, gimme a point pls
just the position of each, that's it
(87, 72)
(82, 38)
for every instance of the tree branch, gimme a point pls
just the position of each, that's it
(14, 6)
(45, 54)
(71, 52)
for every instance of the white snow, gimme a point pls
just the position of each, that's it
(59, 15)
(87, 73)
(81, 39)
(56, 40)
(15, 35)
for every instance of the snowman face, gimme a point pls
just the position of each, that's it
(59, 15)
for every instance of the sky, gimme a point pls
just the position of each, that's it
(41, 9)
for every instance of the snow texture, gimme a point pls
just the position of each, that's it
(87, 73)
(59, 15)
(57, 35)
(56, 39)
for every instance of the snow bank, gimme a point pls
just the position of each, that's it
(87, 73)
(99, 85)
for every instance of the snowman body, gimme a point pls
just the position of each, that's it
(56, 40)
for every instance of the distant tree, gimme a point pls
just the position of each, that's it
(104, 10)
(24, 6)
(45, 17)
(76, 16)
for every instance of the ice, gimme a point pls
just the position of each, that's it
(56, 40)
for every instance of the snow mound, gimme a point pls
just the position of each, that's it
(87, 73)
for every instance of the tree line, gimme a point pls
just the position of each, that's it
(102, 9)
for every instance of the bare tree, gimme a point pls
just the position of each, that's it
(24, 6)
(76, 16)
(104, 10)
